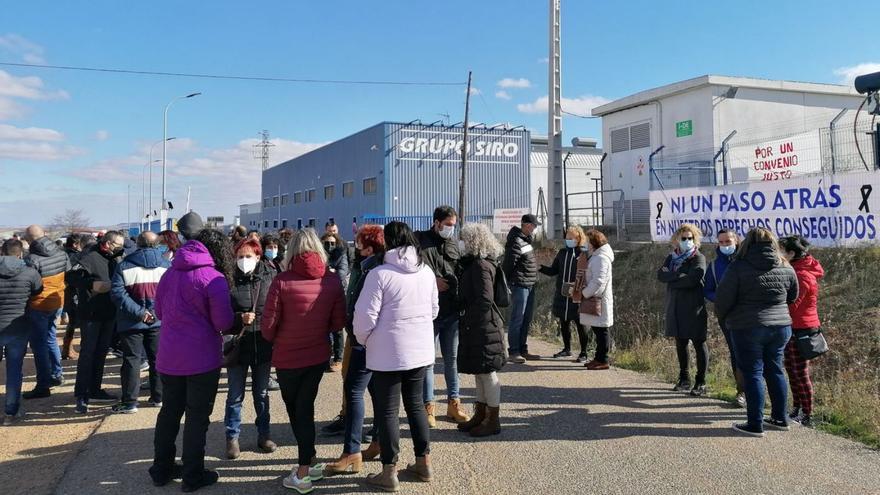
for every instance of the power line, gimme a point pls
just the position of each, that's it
(232, 77)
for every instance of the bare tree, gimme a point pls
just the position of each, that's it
(70, 221)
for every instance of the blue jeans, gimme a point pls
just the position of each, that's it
(446, 331)
(356, 382)
(44, 345)
(237, 378)
(521, 310)
(759, 354)
(15, 343)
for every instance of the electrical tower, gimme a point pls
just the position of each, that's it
(553, 229)
(261, 149)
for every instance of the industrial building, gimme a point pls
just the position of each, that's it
(705, 131)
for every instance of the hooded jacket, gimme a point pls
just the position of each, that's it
(441, 255)
(599, 284)
(51, 262)
(804, 313)
(192, 300)
(394, 315)
(249, 291)
(520, 266)
(304, 305)
(133, 288)
(564, 268)
(18, 284)
(756, 290)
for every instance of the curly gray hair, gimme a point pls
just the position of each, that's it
(480, 242)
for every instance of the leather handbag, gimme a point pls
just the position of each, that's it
(591, 306)
(810, 343)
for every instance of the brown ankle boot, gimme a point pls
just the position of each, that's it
(421, 468)
(490, 426)
(266, 445)
(455, 412)
(479, 416)
(386, 480)
(372, 451)
(432, 418)
(232, 449)
(347, 463)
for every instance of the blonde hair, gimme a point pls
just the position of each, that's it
(479, 241)
(691, 229)
(760, 235)
(303, 241)
(578, 234)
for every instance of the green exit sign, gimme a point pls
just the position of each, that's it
(684, 128)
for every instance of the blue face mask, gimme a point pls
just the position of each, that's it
(271, 254)
(686, 245)
(162, 248)
(727, 250)
(570, 243)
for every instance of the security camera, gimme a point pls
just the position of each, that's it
(868, 83)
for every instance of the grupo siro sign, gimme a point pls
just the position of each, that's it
(778, 159)
(834, 210)
(497, 147)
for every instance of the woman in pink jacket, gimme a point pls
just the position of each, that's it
(393, 319)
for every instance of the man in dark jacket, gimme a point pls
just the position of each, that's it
(521, 270)
(18, 284)
(440, 253)
(133, 290)
(92, 276)
(51, 262)
(73, 248)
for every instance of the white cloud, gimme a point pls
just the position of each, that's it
(502, 95)
(10, 132)
(29, 51)
(582, 105)
(848, 74)
(28, 87)
(102, 135)
(510, 83)
(37, 151)
(545, 60)
(474, 91)
(9, 109)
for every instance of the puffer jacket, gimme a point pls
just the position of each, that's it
(564, 268)
(804, 312)
(192, 301)
(756, 290)
(599, 283)
(18, 284)
(480, 331)
(133, 288)
(441, 255)
(520, 266)
(305, 304)
(51, 262)
(249, 291)
(394, 315)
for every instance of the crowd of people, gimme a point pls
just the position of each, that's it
(184, 305)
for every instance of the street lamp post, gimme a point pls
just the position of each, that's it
(163, 211)
(149, 203)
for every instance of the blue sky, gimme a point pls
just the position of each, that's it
(79, 139)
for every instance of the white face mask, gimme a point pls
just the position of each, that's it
(246, 265)
(447, 231)
(686, 245)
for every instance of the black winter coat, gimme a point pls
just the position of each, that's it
(686, 316)
(756, 290)
(564, 268)
(94, 266)
(246, 290)
(442, 256)
(18, 283)
(480, 330)
(70, 292)
(520, 265)
(338, 261)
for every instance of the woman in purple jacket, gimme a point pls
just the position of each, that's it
(193, 303)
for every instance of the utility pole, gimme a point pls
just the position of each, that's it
(464, 151)
(261, 149)
(128, 221)
(552, 229)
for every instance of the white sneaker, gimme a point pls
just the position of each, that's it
(302, 486)
(316, 472)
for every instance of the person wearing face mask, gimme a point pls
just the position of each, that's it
(521, 270)
(93, 276)
(169, 243)
(271, 253)
(251, 282)
(599, 284)
(441, 254)
(727, 243)
(686, 319)
(564, 268)
(337, 261)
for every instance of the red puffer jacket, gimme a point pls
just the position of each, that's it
(304, 305)
(803, 310)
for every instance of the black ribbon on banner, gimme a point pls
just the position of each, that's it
(659, 209)
(866, 193)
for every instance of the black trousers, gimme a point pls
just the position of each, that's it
(135, 344)
(95, 338)
(702, 351)
(338, 342)
(565, 329)
(602, 343)
(299, 388)
(389, 386)
(194, 396)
